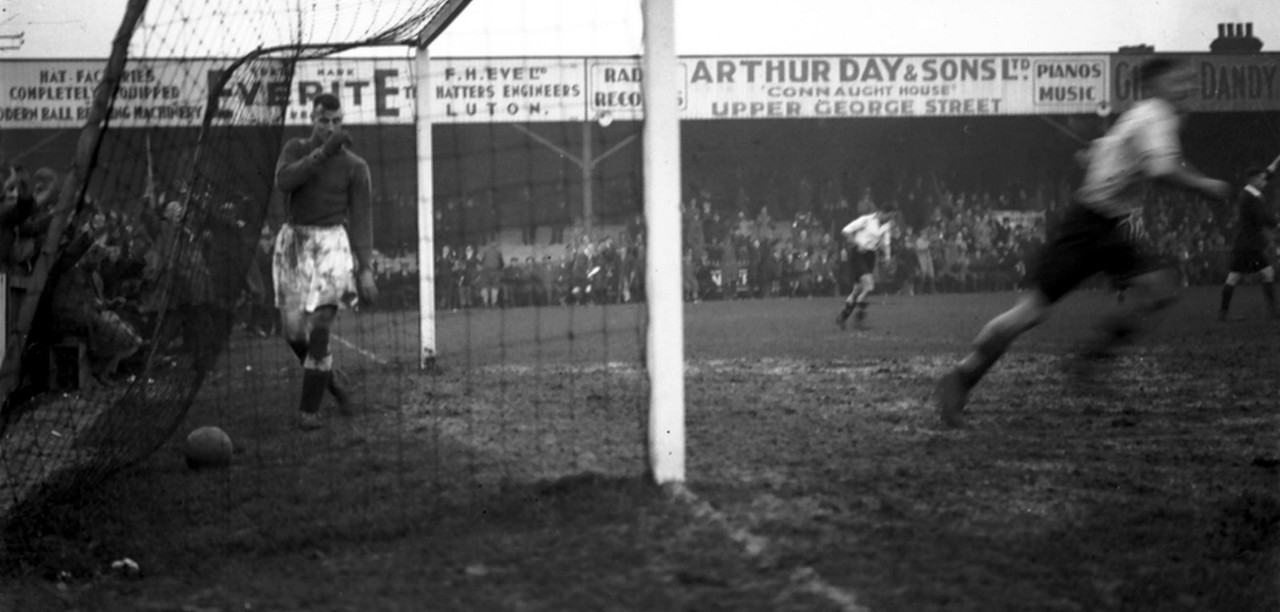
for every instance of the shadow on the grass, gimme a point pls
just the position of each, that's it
(178, 519)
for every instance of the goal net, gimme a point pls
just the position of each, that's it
(508, 341)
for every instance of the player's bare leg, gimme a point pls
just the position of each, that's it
(856, 303)
(861, 303)
(991, 343)
(843, 317)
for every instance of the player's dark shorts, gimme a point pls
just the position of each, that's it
(1249, 261)
(861, 262)
(1088, 243)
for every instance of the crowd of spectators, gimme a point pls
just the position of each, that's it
(774, 234)
(944, 239)
(951, 243)
(109, 284)
(121, 264)
(604, 266)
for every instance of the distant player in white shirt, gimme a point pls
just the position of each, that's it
(867, 235)
(1142, 146)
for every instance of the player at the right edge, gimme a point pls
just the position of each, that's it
(1142, 146)
(1249, 253)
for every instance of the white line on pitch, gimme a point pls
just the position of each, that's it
(803, 578)
(370, 355)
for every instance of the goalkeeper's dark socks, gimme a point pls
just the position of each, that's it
(1227, 292)
(314, 383)
(318, 344)
(299, 350)
(847, 310)
(1269, 292)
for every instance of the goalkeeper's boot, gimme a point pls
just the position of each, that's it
(951, 395)
(314, 383)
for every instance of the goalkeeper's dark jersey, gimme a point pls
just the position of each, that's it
(337, 192)
(1253, 222)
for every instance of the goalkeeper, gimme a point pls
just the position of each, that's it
(328, 200)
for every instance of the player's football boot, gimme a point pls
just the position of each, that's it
(860, 319)
(951, 396)
(309, 421)
(1085, 374)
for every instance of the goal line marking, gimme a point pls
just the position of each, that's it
(804, 578)
(367, 354)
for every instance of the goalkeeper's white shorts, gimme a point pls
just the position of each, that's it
(312, 267)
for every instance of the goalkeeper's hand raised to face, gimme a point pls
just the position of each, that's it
(334, 143)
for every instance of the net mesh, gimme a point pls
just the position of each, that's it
(157, 293)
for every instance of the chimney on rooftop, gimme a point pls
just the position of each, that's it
(1235, 38)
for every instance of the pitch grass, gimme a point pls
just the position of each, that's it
(512, 479)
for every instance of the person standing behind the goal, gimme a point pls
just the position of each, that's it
(1142, 146)
(1249, 253)
(867, 235)
(328, 203)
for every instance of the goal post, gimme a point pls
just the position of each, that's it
(426, 209)
(664, 341)
(664, 355)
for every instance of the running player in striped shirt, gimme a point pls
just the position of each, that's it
(868, 235)
(1142, 146)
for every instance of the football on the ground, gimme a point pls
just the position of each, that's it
(208, 447)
